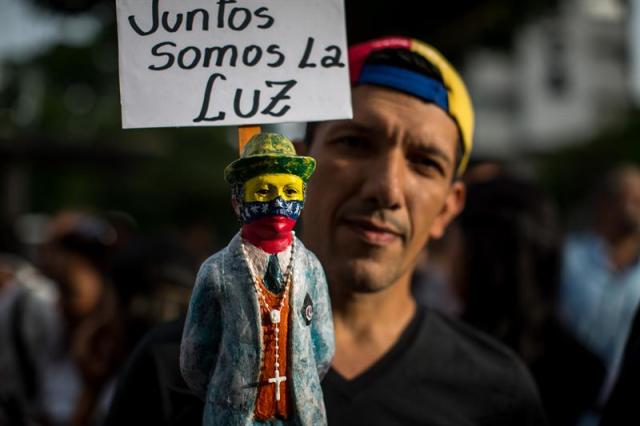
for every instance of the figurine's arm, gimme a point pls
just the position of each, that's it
(202, 331)
(322, 323)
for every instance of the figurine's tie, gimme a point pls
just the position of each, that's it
(273, 276)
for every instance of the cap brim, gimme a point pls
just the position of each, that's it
(244, 169)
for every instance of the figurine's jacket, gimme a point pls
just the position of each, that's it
(221, 347)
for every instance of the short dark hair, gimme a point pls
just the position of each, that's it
(407, 60)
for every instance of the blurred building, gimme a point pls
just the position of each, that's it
(567, 76)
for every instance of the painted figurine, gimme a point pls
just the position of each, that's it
(259, 334)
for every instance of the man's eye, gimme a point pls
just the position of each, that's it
(262, 191)
(353, 142)
(290, 191)
(350, 142)
(425, 165)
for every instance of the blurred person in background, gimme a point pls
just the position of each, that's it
(90, 346)
(153, 277)
(508, 280)
(601, 272)
(27, 318)
(434, 281)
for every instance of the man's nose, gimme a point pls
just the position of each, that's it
(385, 179)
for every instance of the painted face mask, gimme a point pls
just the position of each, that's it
(269, 208)
(250, 211)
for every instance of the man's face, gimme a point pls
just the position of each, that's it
(383, 186)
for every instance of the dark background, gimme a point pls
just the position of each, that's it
(73, 153)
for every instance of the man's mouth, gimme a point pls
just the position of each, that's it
(374, 232)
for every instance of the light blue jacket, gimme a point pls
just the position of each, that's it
(221, 345)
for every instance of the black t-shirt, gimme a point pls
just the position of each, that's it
(440, 372)
(151, 390)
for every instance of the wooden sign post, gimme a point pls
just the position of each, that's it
(244, 134)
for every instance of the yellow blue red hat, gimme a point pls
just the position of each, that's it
(451, 94)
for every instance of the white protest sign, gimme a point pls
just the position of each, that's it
(232, 62)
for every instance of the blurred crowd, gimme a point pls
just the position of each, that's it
(73, 306)
(562, 297)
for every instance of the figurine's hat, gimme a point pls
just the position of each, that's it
(269, 153)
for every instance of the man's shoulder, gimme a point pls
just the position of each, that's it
(475, 364)
(445, 373)
(150, 389)
(464, 337)
(469, 348)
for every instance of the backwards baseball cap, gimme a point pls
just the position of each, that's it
(450, 94)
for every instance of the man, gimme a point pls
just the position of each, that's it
(386, 182)
(600, 288)
(28, 329)
(260, 308)
(601, 272)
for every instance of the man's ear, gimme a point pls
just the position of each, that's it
(301, 147)
(453, 205)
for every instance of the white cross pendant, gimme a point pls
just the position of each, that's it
(276, 381)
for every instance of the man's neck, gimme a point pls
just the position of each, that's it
(367, 325)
